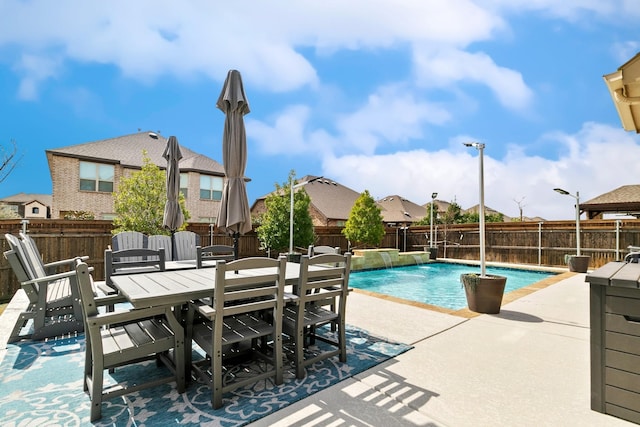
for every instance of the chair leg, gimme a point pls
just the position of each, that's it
(342, 340)
(97, 381)
(216, 380)
(299, 353)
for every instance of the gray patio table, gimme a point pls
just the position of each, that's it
(176, 287)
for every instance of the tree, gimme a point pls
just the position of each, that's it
(273, 231)
(8, 160)
(426, 220)
(140, 199)
(364, 225)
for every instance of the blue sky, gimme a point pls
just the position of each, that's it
(377, 95)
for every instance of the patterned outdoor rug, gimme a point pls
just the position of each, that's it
(41, 384)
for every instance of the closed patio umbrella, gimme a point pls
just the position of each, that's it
(234, 216)
(173, 217)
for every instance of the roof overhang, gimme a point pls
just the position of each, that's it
(624, 88)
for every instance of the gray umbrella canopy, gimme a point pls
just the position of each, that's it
(234, 216)
(173, 217)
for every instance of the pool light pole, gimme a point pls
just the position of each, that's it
(293, 187)
(577, 197)
(480, 147)
(433, 199)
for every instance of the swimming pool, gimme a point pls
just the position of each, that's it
(436, 283)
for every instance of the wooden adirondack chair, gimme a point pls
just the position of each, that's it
(316, 305)
(185, 245)
(54, 308)
(125, 337)
(158, 241)
(246, 308)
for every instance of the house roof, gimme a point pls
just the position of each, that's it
(398, 209)
(331, 199)
(24, 198)
(622, 200)
(487, 211)
(127, 151)
(334, 200)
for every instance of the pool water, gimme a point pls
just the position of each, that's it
(435, 283)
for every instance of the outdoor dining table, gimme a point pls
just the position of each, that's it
(178, 286)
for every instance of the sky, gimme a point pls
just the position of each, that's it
(378, 95)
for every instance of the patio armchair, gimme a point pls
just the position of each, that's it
(245, 310)
(214, 253)
(126, 337)
(321, 299)
(54, 307)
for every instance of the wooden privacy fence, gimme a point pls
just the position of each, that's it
(544, 243)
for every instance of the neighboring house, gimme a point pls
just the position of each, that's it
(29, 205)
(487, 211)
(85, 176)
(398, 210)
(330, 205)
(623, 200)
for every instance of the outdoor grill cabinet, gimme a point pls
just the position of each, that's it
(615, 340)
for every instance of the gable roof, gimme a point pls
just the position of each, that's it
(487, 211)
(331, 199)
(127, 151)
(24, 198)
(398, 209)
(334, 200)
(622, 200)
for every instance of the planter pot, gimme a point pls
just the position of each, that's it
(433, 253)
(484, 294)
(578, 264)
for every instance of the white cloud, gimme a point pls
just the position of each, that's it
(34, 70)
(447, 67)
(591, 165)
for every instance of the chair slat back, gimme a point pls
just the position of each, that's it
(249, 284)
(158, 241)
(33, 256)
(185, 244)
(19, 248)
(134, 260)
(129, 240)
(317, 250)
(30, 289)
(214, 253)
(332, 280)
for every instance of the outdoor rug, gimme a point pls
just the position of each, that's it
(41, 384)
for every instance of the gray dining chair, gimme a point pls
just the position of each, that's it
(242, 315)
(321, 299)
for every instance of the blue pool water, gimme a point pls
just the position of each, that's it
(435, 283)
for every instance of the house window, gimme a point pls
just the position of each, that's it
(184, 184)
(96, 177)
(210, 187)
(35, 210)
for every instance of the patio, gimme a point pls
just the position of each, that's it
(529, 365)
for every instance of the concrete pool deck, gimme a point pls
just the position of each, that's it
(527, 366)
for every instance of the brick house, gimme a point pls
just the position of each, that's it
(85, 176)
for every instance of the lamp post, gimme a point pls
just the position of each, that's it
(433, 199)
(293, 187)
(480, 148)
(577, 197)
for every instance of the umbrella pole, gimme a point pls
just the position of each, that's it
(173, 245)
(235, 245)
